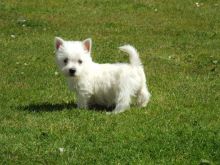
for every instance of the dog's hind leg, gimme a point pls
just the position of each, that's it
(122, 103)
(143, 96)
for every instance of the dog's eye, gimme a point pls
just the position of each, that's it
(80, 61)
(65, 60)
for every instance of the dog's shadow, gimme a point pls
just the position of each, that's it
(51, 107)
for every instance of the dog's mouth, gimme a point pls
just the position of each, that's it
(71, 75)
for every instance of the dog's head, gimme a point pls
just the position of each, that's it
(73, 57)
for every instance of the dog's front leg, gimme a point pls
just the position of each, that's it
(82, 101)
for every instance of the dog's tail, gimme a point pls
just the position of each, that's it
(133, 54)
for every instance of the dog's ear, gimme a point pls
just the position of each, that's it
(58, 42)
(87, 44)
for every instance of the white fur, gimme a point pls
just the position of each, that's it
(102, 84)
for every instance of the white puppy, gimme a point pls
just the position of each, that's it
(101, 84)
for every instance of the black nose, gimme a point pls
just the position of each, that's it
(72, 71)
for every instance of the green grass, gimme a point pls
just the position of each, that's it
(179, 44)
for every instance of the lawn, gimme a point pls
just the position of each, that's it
(179, 45)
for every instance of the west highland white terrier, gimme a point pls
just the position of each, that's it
(102, 84)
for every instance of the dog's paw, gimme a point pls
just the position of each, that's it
(114, 112)
(108, 113)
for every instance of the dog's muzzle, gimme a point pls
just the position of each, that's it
(72, 71)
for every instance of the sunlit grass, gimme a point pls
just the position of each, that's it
(178, 43)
